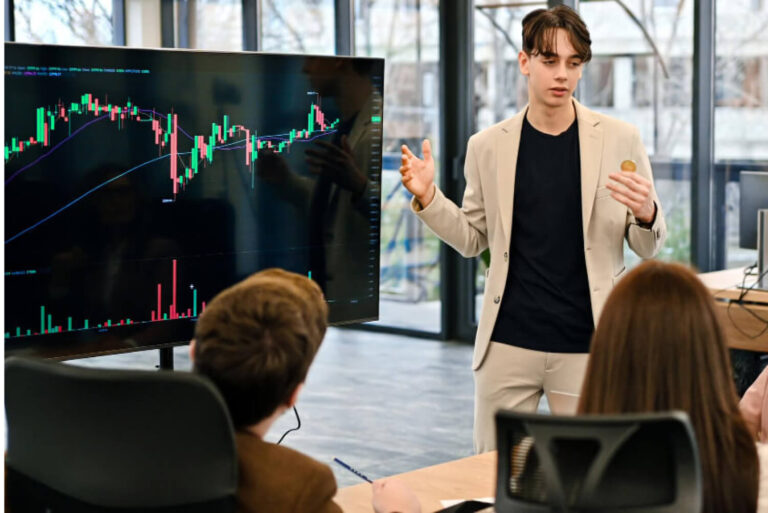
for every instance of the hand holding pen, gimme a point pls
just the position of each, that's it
(389, 494)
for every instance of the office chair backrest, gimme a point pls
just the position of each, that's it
(83, 439)
(644, 463)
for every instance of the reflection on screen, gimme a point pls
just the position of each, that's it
(140, 183)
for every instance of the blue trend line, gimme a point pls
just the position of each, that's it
(285, 137)
(44, 155)
(229, 146)
(83, 196)
(278, 137)
(225, 147)
(164, 116)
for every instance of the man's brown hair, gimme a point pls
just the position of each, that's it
(539, 28)
(659, 347)
(257, 339)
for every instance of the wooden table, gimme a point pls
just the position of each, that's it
(467, 478)
(741, 327)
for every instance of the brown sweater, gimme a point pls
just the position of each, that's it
(276, 479)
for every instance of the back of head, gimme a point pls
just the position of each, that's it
(539, 28)
(257, 339)
(306, 291)
(658, 347)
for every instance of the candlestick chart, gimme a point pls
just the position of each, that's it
(165, 129)
(140, 183)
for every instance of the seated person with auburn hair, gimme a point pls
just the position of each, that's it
(256, 341)
(659, 346)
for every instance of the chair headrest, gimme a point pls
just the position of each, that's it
(643, 463)
(119, 437)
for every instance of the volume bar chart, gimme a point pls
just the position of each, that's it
(50, 324)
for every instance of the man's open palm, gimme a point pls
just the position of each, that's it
(417, 174)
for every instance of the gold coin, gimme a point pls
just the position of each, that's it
(628, 165)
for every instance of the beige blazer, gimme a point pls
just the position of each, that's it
(485, 217)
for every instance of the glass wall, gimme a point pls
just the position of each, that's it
(641, 72)
(406, 34)
(75, 22)
(297, 26)
(500, 89)
(214, 24)
(741, 109)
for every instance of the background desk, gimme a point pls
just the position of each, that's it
(467, 478)
(740, 326)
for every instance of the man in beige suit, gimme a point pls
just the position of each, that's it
(553, 192)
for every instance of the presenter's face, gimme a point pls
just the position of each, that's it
(552, 77)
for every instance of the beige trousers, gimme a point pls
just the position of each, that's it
(514, 378)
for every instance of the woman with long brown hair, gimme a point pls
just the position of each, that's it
(658, 347)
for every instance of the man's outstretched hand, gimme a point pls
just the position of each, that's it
(418, 175)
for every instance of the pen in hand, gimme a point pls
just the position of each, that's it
(358, 474)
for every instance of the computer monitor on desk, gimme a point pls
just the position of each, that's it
(753, 219)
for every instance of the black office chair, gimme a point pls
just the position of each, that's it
(88, 440)
(644, 463)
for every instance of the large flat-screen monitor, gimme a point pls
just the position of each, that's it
(140, 183)
(753, 192)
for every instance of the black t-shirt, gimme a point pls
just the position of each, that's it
(546, 303)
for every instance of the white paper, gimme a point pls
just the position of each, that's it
(447, 503)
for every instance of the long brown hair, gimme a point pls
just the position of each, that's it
(659, 346)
